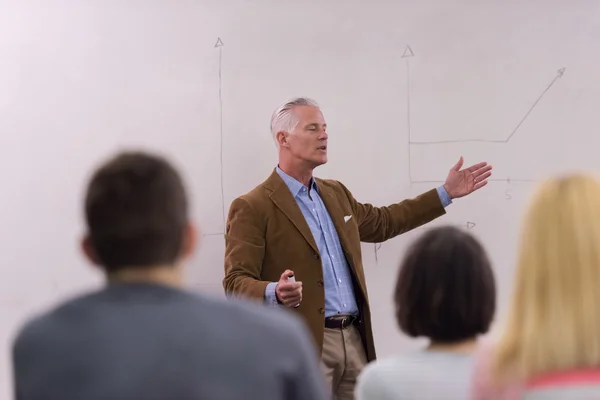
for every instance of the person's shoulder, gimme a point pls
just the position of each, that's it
(42, 324)
(30, 330)
(330, 183)
(377, 378)
(254, 198)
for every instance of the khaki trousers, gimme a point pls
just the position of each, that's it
(342, 360)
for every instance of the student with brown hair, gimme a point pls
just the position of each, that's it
(445, 292)
(142, 336)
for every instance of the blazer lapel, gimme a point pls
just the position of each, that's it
(337, 216)
(284, 200)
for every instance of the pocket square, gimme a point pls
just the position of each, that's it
(347, 218)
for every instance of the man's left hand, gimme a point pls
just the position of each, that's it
(460, 183)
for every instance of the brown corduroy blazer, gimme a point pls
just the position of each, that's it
(266, 233)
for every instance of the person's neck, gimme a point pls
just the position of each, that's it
(462, 347)
(169, 275)
(301, 174)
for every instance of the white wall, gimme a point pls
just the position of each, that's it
(78, 80)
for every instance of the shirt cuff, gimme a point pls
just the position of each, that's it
(444, 196)
(270, 296)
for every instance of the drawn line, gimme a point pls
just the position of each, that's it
(559, 74)
(377, 246)
(505, 180)
(212, 234)
(458, 141)
(408, 53)
(557, 77)
(219, 45)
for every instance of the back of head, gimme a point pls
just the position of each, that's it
(446, 289)
(554, 323)
(136, 212)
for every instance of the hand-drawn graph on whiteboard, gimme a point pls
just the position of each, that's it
(408, 54)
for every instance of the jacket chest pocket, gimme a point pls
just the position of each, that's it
(351, 229)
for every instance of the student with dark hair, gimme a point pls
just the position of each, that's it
(445, 292)
(142, 336)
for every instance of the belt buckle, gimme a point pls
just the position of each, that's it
(347, 320)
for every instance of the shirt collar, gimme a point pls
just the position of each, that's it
(295, 185)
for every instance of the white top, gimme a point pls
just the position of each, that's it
(421, 375)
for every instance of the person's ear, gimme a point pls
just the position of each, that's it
(190, 240)
(282, 139)
(88, 250)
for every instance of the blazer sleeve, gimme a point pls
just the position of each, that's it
(244, 252)
(378, 224)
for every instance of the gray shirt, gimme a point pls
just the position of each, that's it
(419, 375)
(147, 341)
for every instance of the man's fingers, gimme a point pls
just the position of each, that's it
(481, 171)
(293, 300)
(477, 166)
(289, 286)
(287, 273)
(458, 164)
(289, 290)
(479, 185)
(289, 293)
(483, 177)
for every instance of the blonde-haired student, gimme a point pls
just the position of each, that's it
(550, 346)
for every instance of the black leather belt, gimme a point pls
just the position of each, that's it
(340, 322)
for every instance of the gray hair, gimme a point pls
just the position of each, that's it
(283, 118)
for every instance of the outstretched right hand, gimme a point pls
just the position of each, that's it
(288, 293)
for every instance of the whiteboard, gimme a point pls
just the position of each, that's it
(406, 88)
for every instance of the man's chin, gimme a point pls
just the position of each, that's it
(321, 161)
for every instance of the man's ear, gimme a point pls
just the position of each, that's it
(89, 251)
(282, 139)
(190, 240)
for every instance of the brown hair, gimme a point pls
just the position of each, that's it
(446, 288)
(136, 212)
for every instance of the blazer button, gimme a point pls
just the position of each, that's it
(320, 283)
(321, 311)
(316, 256)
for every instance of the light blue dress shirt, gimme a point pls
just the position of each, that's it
(337, 278)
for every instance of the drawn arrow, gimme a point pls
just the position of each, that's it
(559, 75)
(470, 225)
(219, 44)
(408, 53)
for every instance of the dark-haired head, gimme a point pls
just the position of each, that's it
(136, 211)
(446, 288)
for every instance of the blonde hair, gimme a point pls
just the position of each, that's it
(554, 319)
